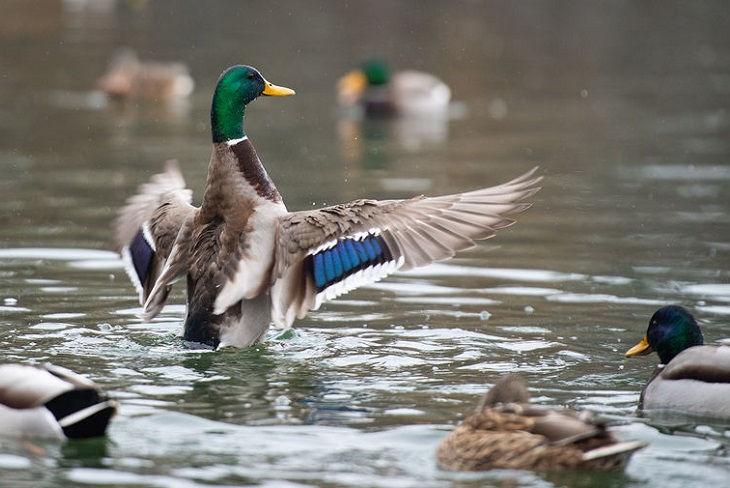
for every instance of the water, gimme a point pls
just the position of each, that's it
(623, 106)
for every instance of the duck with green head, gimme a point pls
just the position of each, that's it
(506, 432)
(380, 93)
(691, 378)
(249, 262)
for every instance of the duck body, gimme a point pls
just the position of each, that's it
(227, 241)
(51, 402)
(507, 433)
(249, 262)
(380, 94)
(693, 378)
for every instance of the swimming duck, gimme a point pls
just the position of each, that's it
(379, 93)
(248, 261)
(691, 378)
(507, 433)
(128, 77)
(51, 402)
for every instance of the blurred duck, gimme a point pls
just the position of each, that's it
(379, 93)
(507, 433)
(128, 77)
(51, 402)
(691, 378)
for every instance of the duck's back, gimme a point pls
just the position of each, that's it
(697, 382)
(419, 93)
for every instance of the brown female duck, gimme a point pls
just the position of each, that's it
(130, 78)
(507, 433)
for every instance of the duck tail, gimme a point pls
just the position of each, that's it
(618, 449)
(82, 413)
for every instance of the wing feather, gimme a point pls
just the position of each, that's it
(146, 227)
(413, 232)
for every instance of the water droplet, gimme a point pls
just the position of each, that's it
(281, 401)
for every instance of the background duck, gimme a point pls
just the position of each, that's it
(51, 402)
(691, 378)
(378, 92)
(507, 433)
(248, 261)
(128, 77)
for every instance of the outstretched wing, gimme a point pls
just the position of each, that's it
(324, 253)
(147, 226)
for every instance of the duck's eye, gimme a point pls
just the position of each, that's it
(251, 76)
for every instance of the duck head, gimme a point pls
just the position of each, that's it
(511, 388)
(371, 73)
(376, 71)
(672, 329)
(237, 87)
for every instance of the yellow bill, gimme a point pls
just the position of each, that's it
(351, 86)
(641, 349)
(276, 91)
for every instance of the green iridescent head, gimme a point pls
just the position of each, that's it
(237, 87)
(671, 330)
(376, 71)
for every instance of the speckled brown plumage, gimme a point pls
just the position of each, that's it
(507, 435)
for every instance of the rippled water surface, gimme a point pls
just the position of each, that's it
(624, 105)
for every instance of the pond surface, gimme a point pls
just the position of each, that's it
(623, 105)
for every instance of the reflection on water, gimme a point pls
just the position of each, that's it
(623, 108)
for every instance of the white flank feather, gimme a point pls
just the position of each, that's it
(132, 273)
(147, 234)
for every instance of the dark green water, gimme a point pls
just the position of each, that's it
(624, 105)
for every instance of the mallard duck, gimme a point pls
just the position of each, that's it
(507, 433)
(51, 402)
(128, 77)
(691, 378)
(380, 93)
(248, 261)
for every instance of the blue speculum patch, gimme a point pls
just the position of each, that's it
(346, 258)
